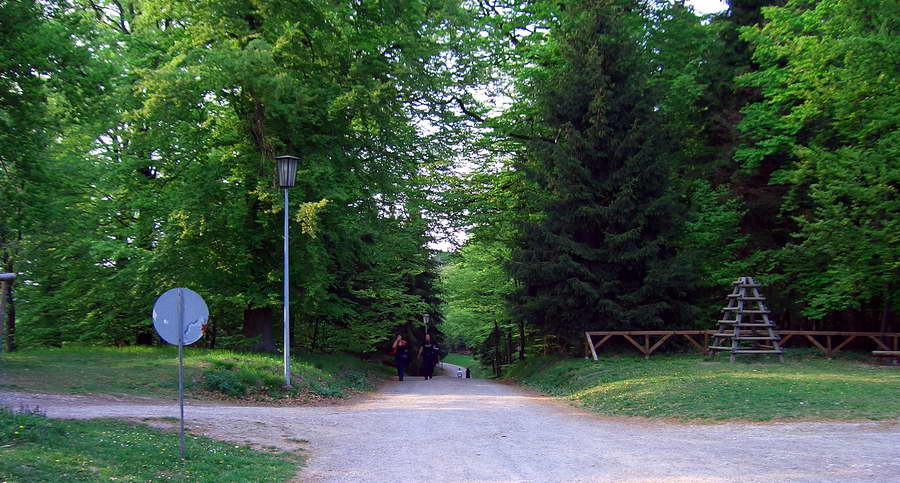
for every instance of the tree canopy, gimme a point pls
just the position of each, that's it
(593, 164)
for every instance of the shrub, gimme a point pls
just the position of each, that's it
(224, 381)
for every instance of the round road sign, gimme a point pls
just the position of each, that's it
(184, 303)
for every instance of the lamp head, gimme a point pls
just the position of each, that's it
(287, 170)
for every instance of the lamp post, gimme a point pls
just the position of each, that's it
(425, 317)
(287, 172)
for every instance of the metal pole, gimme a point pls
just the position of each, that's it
(181, 370)
(287, 323)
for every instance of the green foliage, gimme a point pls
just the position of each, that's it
(39, 449)
(601, 256)
(828, 77)
(615, 163)
(224, 381)
(476, 288)
(237, 343)
(306, 215)
(687, 387)
(168, 177)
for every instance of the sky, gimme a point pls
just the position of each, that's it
(707, 6)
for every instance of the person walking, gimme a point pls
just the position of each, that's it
(429, 355)
(400, 350)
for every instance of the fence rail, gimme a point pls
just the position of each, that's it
(828, 342)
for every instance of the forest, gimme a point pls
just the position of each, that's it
(520, 170)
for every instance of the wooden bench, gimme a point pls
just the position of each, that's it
(892, 357)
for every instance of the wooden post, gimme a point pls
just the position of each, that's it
(590, 344)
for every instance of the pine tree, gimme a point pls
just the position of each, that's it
(600, 256)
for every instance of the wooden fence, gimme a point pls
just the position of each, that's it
(829, 342)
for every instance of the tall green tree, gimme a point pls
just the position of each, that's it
(175, 180)
(602, 256)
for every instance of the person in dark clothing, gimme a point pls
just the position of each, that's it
(429, 355)
(400, 349)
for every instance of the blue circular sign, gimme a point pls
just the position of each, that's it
(180, 304)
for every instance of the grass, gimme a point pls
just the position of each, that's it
(209, 374)
(465, 360)
(690, 387)
(34, 448)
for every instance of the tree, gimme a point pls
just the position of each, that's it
(828, 79)
(476, 288)
(174, 180)
(45, 77)
(602, 256)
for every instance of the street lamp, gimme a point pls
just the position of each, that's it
(287, 172)
(425, 317)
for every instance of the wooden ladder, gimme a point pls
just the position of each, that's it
(745, 327)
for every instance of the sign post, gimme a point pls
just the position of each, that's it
(179, 317)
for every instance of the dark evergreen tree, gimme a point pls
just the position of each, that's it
(600, 257)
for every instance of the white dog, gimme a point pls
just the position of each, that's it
(459, 373)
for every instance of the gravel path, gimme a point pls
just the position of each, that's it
(449, 429)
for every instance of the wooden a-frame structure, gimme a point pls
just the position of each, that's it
(745, 327)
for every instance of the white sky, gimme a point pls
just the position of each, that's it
(703, 7)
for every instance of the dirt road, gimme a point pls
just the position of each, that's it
(447, 429)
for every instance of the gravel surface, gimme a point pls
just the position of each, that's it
(449, 429)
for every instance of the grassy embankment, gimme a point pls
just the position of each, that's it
(806, 387)
(464, 360)
(34, 448)
(209, 374)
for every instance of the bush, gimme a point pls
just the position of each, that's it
(238, 343)
(325, 389)
(224, 381)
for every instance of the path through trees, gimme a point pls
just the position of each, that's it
(448, 429)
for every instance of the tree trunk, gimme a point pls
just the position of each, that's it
(315, 336)
(3, 327)
(258, 322)
(10, 319)
(885, 311)
(144, 338)
(521, 340)
(498, 338)
(212, 333)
